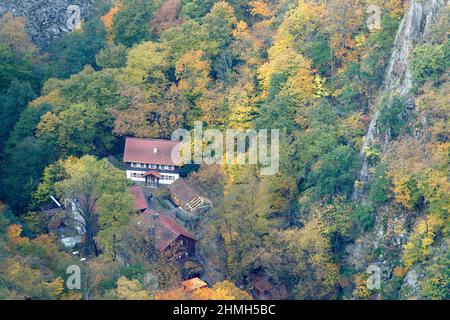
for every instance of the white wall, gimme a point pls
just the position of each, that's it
(175, 175)
(130, 173)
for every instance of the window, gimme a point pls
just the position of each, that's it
(132, 164)
(153, 166)
(166, 167)
(170, 167)
(143, 165)
(134, 174)
(142, 175)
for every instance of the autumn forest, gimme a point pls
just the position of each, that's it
(358, 208)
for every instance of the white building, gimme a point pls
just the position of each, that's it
(149, 161)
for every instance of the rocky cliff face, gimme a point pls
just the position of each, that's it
(48, 20)
(413, 29)
(384, 244)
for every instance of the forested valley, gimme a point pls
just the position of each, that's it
(352, 194)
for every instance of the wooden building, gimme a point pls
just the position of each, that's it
(187, 197)
(170, 237)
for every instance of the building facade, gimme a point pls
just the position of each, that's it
(149, 161)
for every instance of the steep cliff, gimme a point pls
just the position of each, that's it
(396, 224)
(47, 20)
(413, 29)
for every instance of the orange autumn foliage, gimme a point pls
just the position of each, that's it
(14, 232)
(225, 290)
(108, 20)
(260, 8)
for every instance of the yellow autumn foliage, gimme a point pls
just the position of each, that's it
(260, 7)
(417, 248)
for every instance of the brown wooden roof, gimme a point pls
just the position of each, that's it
(183, 191)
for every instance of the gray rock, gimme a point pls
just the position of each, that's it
(47, 20)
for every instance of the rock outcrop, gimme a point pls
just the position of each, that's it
(47, 20)
(413, 29)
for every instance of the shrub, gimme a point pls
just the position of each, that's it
(429, 61)
(363, 218)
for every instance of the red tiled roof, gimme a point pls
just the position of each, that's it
(153, 173)
(139, 198)
(167, 230)
(149, 151)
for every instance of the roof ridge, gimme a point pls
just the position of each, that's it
(153, 139)
(175, 226)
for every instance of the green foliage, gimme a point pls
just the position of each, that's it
(363, 218)
(13, 67)
(220, 22)
(307, 267)
(21, 172)
(80, 129)
(98, 88)
(147, 62)
(378, 45)
(429, 61)
(335, 172)
(113, 56)
(436, 284)
(26, 125)
(195, 9)
(393, 115)
(12, 103)
(132, 23)
(338, 218)
(307, 68)
(278, 114)
(189, 35)
(379, 190)
(52, 174)
(320, 53)
(103, 201)
(69, 54)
